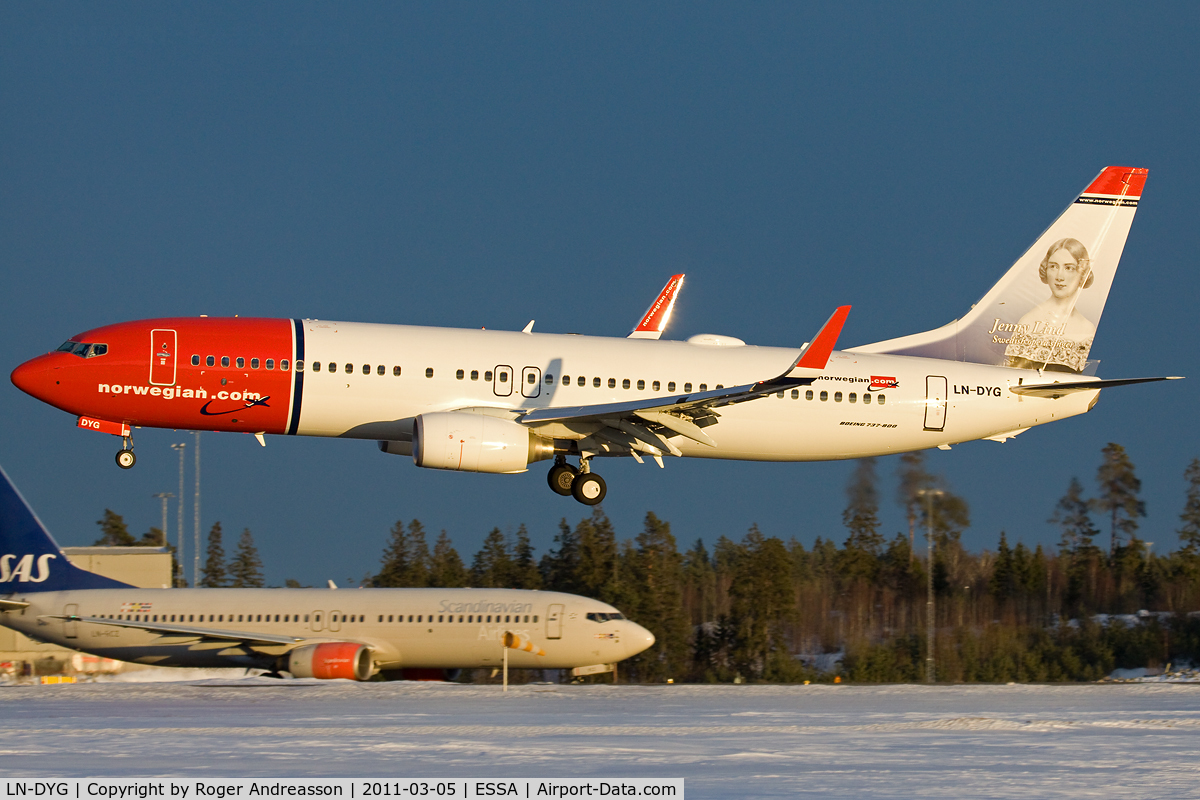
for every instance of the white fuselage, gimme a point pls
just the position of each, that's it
(404, 628)
(904, 413)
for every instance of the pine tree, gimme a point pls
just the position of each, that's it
(152, 538)
(405, 561)
(596, 574)
(446, 568)
(913, 478)
(1119, 488)
(1003, 585)
(245, 570)
(657, 590)
(113, 531)
(395, 559)
(559, 567)
(417, 573)
(525, 568)
(761, 602)
(1189, 533)
(1071, 516)
(860, 554)
(214, 575)
(493, 564)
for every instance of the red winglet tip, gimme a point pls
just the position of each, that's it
(657, 315)
(1123, 181)
(817, 354)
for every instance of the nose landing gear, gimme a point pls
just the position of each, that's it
(125, 457)
(584, 485)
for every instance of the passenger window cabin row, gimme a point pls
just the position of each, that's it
(240, 362)
(502, 377)
(334, 617)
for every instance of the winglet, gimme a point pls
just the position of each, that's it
(816, 354)
(655, 320)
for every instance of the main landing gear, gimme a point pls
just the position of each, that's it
(125, 457)
(584, 485)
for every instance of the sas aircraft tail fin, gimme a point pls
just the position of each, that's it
(1044, 311)
(30, 560)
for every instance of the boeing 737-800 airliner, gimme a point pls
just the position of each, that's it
(310, 633)
(497, 401)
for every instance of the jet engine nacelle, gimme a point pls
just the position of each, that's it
(330, 660)
(469, 442)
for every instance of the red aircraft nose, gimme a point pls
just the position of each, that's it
(33, 377)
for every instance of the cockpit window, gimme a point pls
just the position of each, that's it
(601, 616)
(82, 349)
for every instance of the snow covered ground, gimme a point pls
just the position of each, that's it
(1113, 740)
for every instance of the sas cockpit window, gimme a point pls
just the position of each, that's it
(601, 616)
(82, 349)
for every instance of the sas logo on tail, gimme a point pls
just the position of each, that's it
(883, 382)
(23, 571)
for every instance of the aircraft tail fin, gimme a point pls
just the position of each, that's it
(1043, 313)
(30, 559)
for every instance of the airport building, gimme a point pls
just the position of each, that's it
(22, 657)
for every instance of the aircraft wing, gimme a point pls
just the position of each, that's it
(185, 630)
(654, 321)
(1056, 390)
(636, 425)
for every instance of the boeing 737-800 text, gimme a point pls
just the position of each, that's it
(497, 401)
(311, 633)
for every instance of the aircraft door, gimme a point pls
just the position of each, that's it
(335, 620)
(531, 382)
(554, 621)
(318, 621)
(162, 357)
(502, 383)
(935, 403)
(70, 626)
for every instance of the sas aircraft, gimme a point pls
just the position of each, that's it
(498, 401)
(308, 633)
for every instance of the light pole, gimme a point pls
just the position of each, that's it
(179, 515)
(929, 494)
(164, 496)
(196, 519)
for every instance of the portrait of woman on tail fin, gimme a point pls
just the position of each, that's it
(1054, 335)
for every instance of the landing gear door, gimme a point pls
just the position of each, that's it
(162, 357)
(531, 382)
(935, 403)
(554, 621)
(503, 382)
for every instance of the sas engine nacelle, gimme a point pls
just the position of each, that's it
(476, 443)
(330, 660)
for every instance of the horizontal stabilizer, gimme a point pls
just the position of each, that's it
(12, 605)
(1056, 390)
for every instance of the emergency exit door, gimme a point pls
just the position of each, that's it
(162, 357)
(70, 626)
(554, 621)
(935, 402)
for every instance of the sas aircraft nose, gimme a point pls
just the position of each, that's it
(639, 639)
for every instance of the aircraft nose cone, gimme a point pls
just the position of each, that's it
(26, 377)
(639, 640)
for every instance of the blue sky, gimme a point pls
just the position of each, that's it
(482, 165)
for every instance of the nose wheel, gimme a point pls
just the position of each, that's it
(125, 457)
(585, 486)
